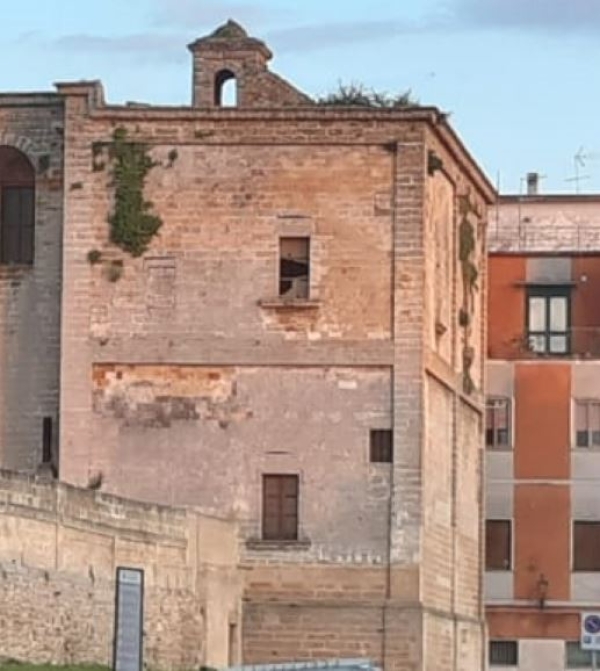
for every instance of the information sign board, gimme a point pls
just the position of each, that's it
(129, 617)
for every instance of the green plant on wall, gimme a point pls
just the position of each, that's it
(132, 222)
(467, 245)
(467, 248)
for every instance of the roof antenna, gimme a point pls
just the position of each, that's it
(579, 160)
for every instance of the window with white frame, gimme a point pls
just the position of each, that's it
(587, 423)
(548, 319)
(497, 422)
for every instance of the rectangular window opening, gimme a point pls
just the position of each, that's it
(280, 507)
(586, 546)
(47, 440)
(587, 423)
(294, 267)
(498, 545)
(548, 320)
(504, 653)
(497, 422)
(233, 644)
(17, 225)
(575, 657)
(381, 446)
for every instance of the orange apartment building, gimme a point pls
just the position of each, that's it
(542, 429)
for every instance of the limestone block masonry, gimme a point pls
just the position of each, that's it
(30, 295)
(59, 550)
(185, 377)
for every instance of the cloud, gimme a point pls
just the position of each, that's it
(578, 17)
(566, 16)
(149, 46)
(323, 36)
(188, 19)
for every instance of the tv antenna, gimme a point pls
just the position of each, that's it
(579, 161)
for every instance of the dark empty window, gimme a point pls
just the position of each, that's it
(587, 423)
(586, 546)
(497, 422)
(576, 658)
(294, 254)
(47, 440)
(17, 196)
(504, 653)
(498, 545)
(548, 317)
(381, 445)
(280, 507)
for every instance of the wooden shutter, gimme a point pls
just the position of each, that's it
(586, 546)
(497, 545)
(280, 507)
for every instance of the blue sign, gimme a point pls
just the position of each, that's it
(591, 623)
(590, 631)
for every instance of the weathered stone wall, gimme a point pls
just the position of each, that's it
(221, 428)
(455, 266)
(30, 295)
(59, 549)
(186, 379)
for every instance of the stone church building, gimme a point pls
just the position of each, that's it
(273, 311)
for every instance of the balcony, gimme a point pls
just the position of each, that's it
(576, 343)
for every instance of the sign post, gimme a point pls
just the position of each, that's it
(590, 635)
(129, 619)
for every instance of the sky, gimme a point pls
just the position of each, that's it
(520, 78)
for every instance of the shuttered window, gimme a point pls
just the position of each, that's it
(498, 545)
(16, 224)
(586, 546)
(280, 507)
(504, 653)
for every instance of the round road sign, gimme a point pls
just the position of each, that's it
(591, 624)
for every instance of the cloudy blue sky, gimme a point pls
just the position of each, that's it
(520, 77)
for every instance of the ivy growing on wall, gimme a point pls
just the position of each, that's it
(132, 221)
(467, 244)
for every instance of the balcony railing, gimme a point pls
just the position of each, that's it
(576, 343)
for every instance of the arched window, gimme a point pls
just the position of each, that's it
(17, 207)
(225, 89)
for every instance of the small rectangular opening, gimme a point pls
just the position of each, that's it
(47, 440)
(504, 653)
(294, 267)
(381, 446)
(233, 644)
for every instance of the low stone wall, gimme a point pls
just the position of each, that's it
(59, 550)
